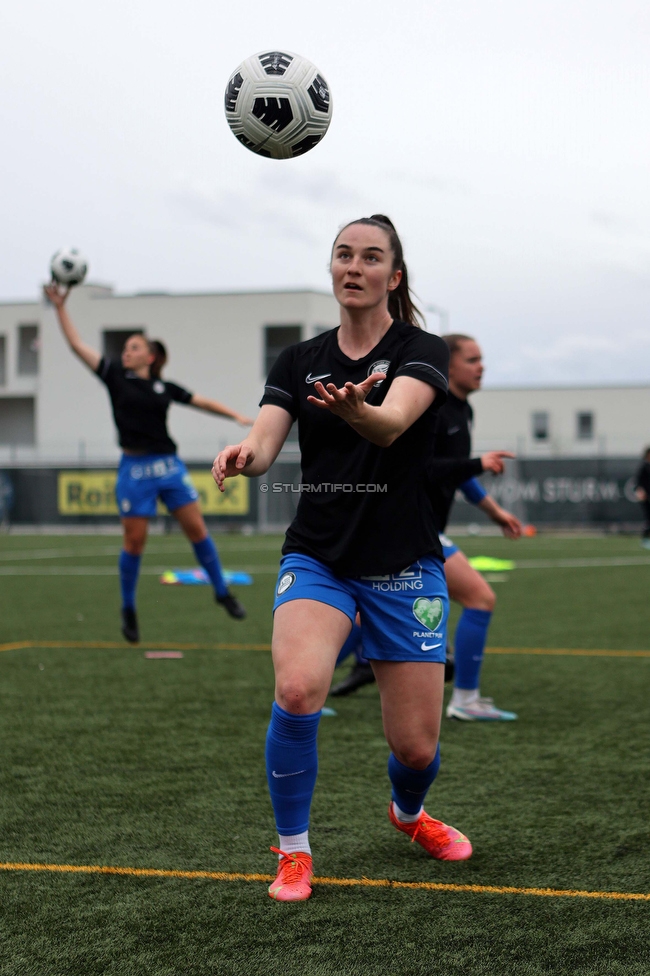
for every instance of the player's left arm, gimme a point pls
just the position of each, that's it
(509, 523)
(213, 406)
(405, 402)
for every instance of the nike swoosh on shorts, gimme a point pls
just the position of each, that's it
(429, 647)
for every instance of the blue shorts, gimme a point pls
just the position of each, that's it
(448, 546)
(142, 480)
(403, 615)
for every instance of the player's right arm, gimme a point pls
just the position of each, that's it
(255, 454)
(87, 354)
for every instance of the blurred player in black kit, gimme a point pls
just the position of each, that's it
(642, 491)
(150, 467)
(466, 585)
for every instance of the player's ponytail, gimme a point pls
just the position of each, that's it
(400, 303)
(159, 352)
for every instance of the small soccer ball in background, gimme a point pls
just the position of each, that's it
(278, 104)
(68, 266)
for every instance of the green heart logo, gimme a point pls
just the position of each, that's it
(428, 612)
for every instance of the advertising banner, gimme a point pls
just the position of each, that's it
(93, 493)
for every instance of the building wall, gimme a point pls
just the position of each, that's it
(503, 419)
(216, 348)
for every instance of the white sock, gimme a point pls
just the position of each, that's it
(464, 696)
(295, 843)
(406, 817)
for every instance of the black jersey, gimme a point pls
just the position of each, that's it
(140, 408)
(453, 439)
(363, 510)
(643, 478)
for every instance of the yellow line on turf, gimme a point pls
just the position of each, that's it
(338, 882)
(145, 645)
(174, 646)
(569, 652)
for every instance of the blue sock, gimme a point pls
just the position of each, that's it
(471, 635)
(410, 786)
(351, 646)
(207, 555)
(291, 767)
(129, 570)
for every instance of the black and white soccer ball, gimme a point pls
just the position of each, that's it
(68, 266)
(278, 104)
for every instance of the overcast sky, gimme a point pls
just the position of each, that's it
(507, 140)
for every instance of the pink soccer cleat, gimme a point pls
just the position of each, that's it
(440, 841)
(293, 879)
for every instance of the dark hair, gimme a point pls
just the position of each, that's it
(454, 340)
(400, 303)
(159, 351)
(646, 452)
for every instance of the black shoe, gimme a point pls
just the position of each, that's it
(360, 675)
(130, 625)
(232, 605)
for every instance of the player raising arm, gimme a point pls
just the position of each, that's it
(149, 468)
(365, 397)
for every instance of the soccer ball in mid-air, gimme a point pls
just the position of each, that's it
(68, 266)
(278, 104)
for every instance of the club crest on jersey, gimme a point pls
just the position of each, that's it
(158, 387)
(428, 612)
(381, 366)
(286, 582)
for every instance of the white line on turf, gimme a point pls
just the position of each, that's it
(112, 570)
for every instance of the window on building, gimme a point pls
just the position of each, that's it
(277, 338)
(585, 426)
(3, 360)
(113, 341)
(540, 425)
(27, 350)
(17, 421)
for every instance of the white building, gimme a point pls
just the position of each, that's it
(589, 421)
(53, 411)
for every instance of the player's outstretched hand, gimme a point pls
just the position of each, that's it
(346, 402)
(511, 527)
(243, 421)
(56, 294)
(231, 462)
(493, 461)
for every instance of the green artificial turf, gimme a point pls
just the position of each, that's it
(110, 758)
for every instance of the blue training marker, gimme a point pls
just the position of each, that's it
(198, 577)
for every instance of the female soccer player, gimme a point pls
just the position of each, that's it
(642, 491)
(150, 468)
(365, 397)
(466, 585)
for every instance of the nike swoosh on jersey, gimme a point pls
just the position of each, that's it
(453, 430)
(312, 379)
(282, 775)
(429, 647)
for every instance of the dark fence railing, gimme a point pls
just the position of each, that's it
(550, 491)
